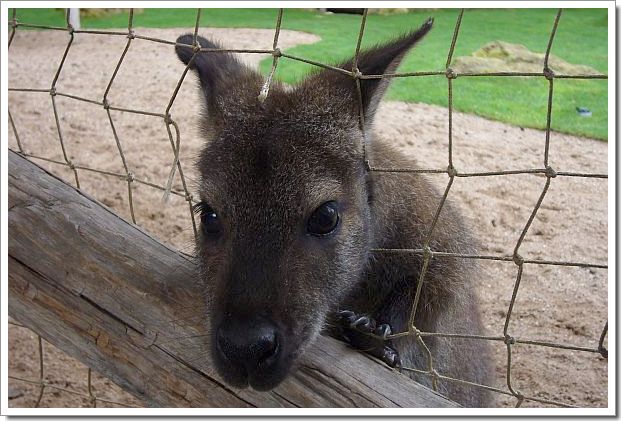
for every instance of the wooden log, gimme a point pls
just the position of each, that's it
(111, 296)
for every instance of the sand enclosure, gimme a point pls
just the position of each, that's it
(556, 304)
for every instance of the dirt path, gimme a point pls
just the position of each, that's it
(555, 303)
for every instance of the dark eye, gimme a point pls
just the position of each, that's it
(210, 222)
(324, 220)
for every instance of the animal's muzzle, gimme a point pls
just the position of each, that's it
(251, 350)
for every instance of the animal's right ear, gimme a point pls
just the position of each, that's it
(218, 72)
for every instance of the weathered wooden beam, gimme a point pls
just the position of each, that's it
(108, 294)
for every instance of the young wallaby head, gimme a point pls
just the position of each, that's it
(286, 222)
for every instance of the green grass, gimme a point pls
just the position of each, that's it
(581, 38)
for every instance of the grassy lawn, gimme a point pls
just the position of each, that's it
(582, 38)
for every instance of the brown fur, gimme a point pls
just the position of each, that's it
(267, 166)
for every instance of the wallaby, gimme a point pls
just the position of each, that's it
(289, 216)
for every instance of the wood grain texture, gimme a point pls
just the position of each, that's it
(108, 294)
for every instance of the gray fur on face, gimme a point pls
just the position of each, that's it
(266, 167)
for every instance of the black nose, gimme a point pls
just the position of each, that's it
(251, 343)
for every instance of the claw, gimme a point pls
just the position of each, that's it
(346, 317)
(355, 329)
(390, 357)
(345, 314)
(360, 322)
(383, 330)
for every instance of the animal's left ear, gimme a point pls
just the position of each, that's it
(378, 60)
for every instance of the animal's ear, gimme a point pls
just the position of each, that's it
(218, 72)
(378, 60)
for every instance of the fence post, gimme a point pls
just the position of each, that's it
(74, 17)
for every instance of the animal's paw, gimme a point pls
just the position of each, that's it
(364, 333)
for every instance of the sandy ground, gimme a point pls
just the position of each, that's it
(557, 304)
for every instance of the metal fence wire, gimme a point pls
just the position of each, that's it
(174, 135)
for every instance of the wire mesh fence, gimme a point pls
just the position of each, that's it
(173, 132)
